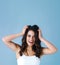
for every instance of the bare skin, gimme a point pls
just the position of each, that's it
(30, 39)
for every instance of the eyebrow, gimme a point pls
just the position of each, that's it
(30, 35)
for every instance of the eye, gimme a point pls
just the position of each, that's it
(29, 35)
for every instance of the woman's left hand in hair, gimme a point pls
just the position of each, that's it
(40, 34)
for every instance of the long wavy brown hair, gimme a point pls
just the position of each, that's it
(37, 45)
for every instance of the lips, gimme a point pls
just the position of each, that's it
(31, 42)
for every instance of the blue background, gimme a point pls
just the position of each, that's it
(15, 14)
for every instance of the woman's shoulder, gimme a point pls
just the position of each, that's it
(18, 48)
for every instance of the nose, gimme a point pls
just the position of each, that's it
(31, 39)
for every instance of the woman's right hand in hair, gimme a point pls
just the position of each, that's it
(24, 29)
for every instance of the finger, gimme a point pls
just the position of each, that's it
(26, 26)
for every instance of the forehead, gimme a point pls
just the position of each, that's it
(31, 32)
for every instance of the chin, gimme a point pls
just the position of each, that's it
(30, 44)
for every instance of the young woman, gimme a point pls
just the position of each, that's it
(30, 51)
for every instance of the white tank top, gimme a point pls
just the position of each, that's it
(28, 60)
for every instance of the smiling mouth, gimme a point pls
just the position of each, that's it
(31, 42)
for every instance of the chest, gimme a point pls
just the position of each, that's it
(28, 60)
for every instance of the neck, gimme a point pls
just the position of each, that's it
(29, 48)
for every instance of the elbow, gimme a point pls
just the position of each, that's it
(55, 50)
(4, 39)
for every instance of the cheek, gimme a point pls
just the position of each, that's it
(27, 38)
(34, 39)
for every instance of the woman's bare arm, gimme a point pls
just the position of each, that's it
(8, 41)
(50, 49)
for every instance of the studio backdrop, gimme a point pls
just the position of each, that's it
(15, 14)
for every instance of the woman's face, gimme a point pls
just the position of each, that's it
(30, 39)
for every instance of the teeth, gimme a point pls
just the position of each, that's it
(30, 42)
